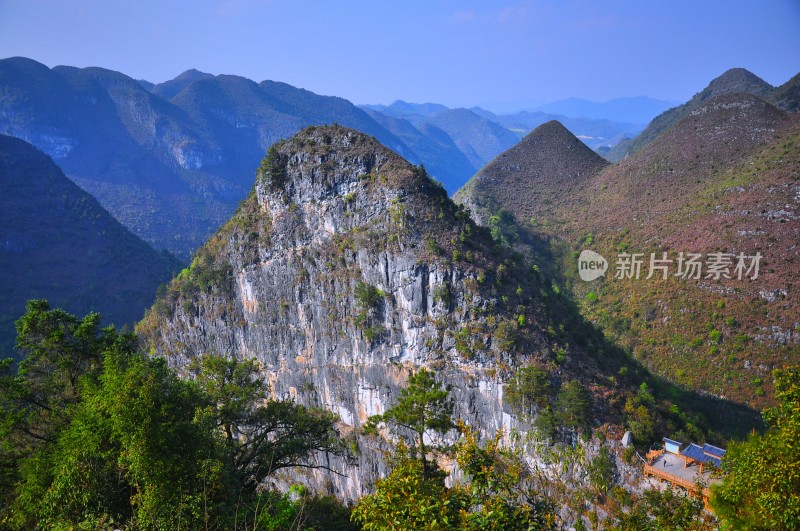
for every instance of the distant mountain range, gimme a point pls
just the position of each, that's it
(58, 243)
(476, 132)
(170, 161)
(638, 110)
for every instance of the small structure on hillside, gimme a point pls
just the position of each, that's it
(689, 466)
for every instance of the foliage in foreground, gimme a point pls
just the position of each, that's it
(762, 487)
(661, 510)
(494, 488)
(495, 492)
(94, 434)
(422, 407)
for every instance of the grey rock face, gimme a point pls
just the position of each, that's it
(333, 212)
(627, 439)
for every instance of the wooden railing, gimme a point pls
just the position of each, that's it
(653, 454)
(690, 486)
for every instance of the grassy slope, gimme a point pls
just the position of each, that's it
(705, 186)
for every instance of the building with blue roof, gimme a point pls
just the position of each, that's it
(676, 461)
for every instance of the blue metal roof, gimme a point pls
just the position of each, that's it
(694, 452)
(698, 454)
(713, 450)
(676, 443)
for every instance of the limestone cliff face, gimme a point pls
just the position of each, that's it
(344, 269)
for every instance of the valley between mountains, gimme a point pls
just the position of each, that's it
(345, 331)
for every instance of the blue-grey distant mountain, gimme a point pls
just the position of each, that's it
(637, 110)
(58, 243)
(477, 138)
(136, 152)
(169, 89)
(170, 161)
(480, 139)
(435, 147)
(593, 132)
(412, 111)
(476, 133)
(146, 84)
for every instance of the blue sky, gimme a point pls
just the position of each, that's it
(503, 54)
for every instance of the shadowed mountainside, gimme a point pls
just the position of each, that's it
(57, 243)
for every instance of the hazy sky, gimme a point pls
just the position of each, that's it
(502, 54)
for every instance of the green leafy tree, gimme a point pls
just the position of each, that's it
(761, 489)
(232, 386)
(96, 435)
(602, 471)
(573, 405)
(657, 510)
(295, 510)
(639, 421)
(499, 493)
(131, 451)
(503, 228)
(423, 406)
(529, 388)
(273, 169)
(495, 493)
(409, 498)
(546, 423)
(58, 350)
(37, 397)
(261, 435)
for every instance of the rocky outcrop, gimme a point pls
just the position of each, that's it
(345, 269)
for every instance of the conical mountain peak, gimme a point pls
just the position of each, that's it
(736, 80)
(191, 75)
(549, 162)
(733, 81)
(553, 127)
